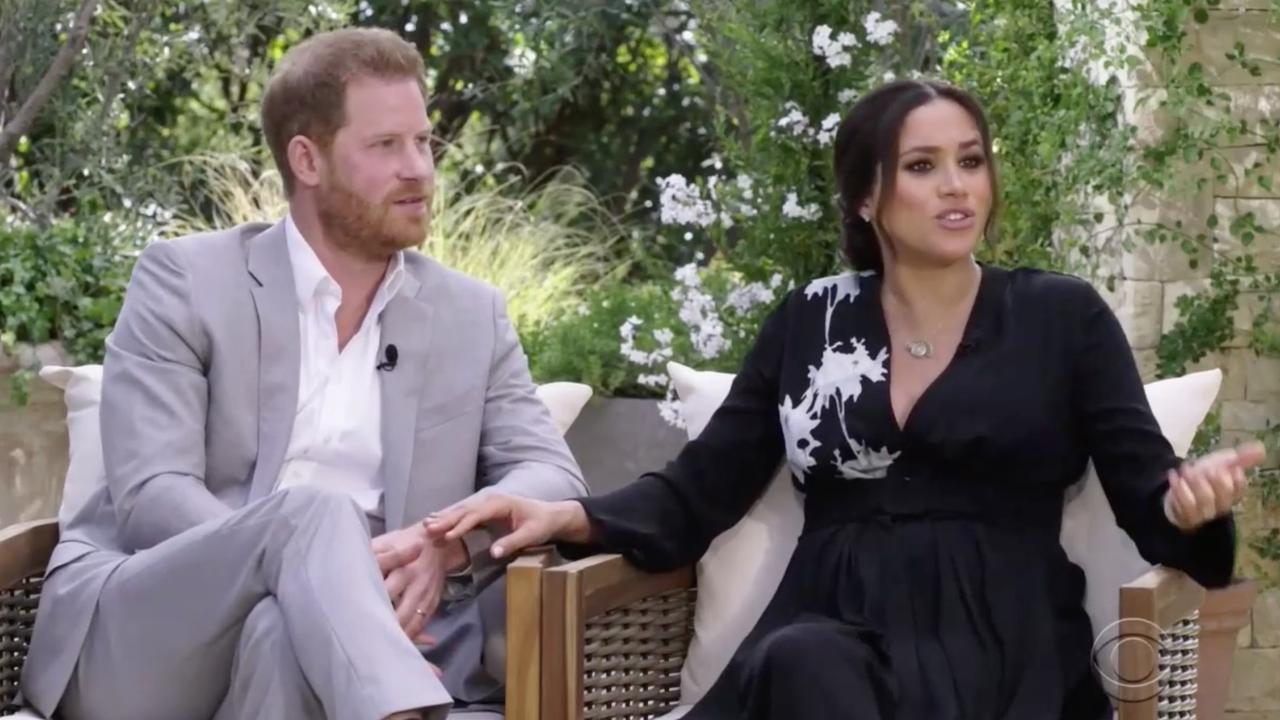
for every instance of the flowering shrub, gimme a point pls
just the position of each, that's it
(621, 338)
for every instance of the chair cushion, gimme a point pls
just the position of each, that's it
(81, 391)
(740, 571)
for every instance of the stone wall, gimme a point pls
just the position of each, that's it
(1153, 277)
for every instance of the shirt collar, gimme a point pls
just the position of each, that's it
(310, 276)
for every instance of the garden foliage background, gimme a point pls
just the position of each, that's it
(646, 178)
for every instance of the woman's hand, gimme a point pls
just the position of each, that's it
(1207, 488)
(528, 522)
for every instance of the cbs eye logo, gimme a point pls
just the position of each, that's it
(1127, 656)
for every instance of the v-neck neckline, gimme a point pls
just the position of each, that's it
(968, 339)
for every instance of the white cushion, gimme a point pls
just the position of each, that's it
(565, 400)
(740, 571)
(82, 392)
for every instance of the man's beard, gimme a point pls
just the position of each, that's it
(370, 230)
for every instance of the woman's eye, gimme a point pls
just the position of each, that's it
(919, 166)
(973, 162)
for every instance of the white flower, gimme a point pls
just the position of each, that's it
(671, 411)
(698, 313)
(846, 97)
(791, 208)
(889, 76)
(681, 203)
(827, 131)
(521, 60)
(653, 381)
(749, 296)
(879, 31)
(635, 355)
(687, 275)
(821, 39)
(835, 52)
(664, 337)
(794, 121)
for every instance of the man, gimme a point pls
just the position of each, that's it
(273, 397)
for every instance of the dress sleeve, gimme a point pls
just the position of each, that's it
(1131, 454)
(666, 519)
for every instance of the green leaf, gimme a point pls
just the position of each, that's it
(1201, 15)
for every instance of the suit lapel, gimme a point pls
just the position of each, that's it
(275, 298)
(406, 323)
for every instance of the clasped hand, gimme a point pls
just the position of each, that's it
(414, 568)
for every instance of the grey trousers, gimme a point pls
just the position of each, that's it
(277, 611)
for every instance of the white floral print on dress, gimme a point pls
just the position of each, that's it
(834, 383)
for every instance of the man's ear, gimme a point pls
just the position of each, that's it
(306, 161)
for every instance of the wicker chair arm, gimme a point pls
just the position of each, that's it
(24, 552)
(25, 549)
(524, 633)
(1158, 635)
(616, 638)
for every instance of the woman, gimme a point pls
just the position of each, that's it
(933, 410)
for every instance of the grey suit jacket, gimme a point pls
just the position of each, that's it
(200, 387)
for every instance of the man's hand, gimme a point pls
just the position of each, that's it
(415, 568)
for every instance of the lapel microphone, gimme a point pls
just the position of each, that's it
(392, 355)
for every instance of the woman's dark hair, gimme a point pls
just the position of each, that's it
(868, 140)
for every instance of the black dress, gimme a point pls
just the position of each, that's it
(928, 583)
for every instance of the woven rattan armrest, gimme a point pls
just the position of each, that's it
(613, 639)
(24, 552)
(1159, 627)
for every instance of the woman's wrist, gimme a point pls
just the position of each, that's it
(573, 523)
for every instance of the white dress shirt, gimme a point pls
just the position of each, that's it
(337, 433)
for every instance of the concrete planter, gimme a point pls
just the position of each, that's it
(616, 440)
